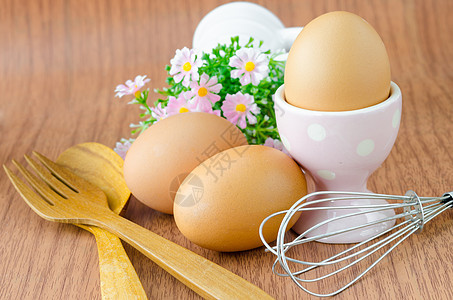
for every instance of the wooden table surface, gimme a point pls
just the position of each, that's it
(59, 64)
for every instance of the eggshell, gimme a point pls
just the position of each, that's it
(222, 203)
(338, 62)
(162, 156)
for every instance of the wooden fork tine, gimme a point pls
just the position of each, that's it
(53, 182)
(39, 205)
(37, 184)
(60, 172)
(74, 182)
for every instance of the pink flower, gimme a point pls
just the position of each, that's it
(204, 91)
(131, 87)
(184, 103)
(184, 66)
(276, 144)
(236, 108)
(181, 104)
(210, 111)
(159, 112)
(251, 66)
(122, 147)
(214, 112)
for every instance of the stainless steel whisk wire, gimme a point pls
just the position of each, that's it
(417, 211)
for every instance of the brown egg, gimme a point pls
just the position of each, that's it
(222, 203)
(338, 62)
(162, 156)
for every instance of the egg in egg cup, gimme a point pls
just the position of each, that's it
(340, 150)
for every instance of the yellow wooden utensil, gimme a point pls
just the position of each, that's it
(102, 167)
(63, 196)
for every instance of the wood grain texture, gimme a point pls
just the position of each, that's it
(59, 64)
(81, 202)
(101, 166)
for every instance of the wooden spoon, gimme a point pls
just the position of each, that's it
(101, 166)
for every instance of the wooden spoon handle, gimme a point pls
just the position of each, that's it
(206, 278)
(118, 277)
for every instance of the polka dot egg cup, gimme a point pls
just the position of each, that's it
(340, 150)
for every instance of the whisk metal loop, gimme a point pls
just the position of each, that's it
(416, 212)
(417, 206)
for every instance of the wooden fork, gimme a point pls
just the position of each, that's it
(60, 195)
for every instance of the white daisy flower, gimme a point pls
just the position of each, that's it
(251, 66)
(205, 92)
(184, 66)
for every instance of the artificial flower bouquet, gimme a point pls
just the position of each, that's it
(232, 81)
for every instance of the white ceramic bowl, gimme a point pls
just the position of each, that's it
(243, 19)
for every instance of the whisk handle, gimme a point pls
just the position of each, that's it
(449, 198)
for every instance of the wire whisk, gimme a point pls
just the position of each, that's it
(409, 214)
